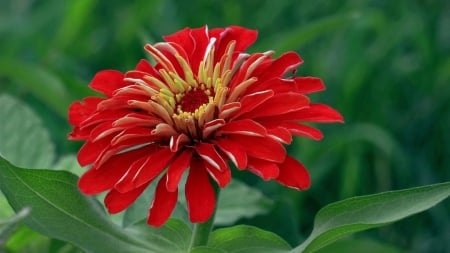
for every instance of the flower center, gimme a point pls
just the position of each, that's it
(192, 100)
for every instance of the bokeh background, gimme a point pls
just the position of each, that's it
(386, 65)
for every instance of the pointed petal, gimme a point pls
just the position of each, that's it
(208, 153)
(107, 81)
(264, 148)
(156, 163)
(264, 169)
(280, 134)
(279, 104)
(235, 152)
(79, 111)
(116, 201)
(302, 130)
(200, 194)
(314, 113)
(104, 177)
(221, 177)
(309, 84)
(251, 101)
(90, 151)
(176, 169)
(144, 169)
(244, 127)
(280, 66)
(163, 204)
(293, 174)
(212, 126)
(178, 140)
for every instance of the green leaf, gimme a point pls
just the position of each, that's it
(205, 249)
(361, 213)
(174, 236)
(42, 83)
(251, 202)
(359, 245)
(60, 211)
(247, 239)
(24, 140)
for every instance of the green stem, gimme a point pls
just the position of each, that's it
(201, 232)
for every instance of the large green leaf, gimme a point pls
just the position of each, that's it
(40, 82)
(60, 211)
(361, 213)
(246, 239)
(251, 202)
(24, 140)
(359, 245)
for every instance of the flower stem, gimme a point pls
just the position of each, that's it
(201, 232)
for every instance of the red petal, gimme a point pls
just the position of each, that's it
(156, 163)
(116, 201)
(314, 113)
(107, 81)
(200, 195)
(234, 151)
(176, 169)
(302, 130)
(146, 67)
(104, 177)
(228, 109)
(244, 127)
(163, 204)
(261, 147)
(250, 101)
(221, 177)
(90, 151)
(280, 134)
(279, 104)
(79, 111)
(293, 174)
(212, 126)
(144, 169)
(182, 38)
(178, 140)
(309, 84)
(243, 37)
(281, 66)
(264, 169)
(209, 154)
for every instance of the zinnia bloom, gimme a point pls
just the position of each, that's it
(203, 106)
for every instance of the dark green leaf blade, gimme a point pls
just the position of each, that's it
(361, 213)
(60, 211)
(26, 143)
(247, 239)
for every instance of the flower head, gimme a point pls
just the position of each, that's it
(204, 105)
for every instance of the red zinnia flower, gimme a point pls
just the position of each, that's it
(202, 104)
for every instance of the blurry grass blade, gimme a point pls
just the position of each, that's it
(77, 14)
(342, 218)
(296, 38)
(8, 226)
(24, 139)
(40, 82)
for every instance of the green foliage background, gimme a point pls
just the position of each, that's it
(386, 65)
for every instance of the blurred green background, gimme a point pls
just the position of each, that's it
(386, 65)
